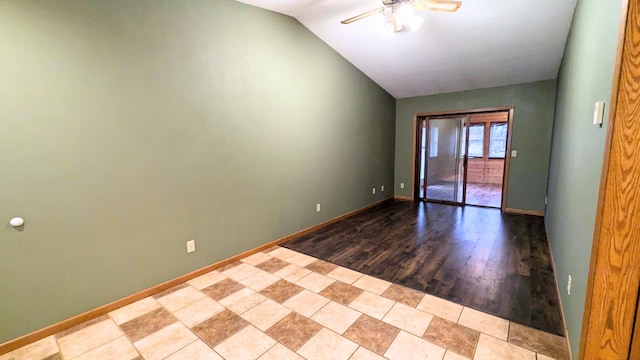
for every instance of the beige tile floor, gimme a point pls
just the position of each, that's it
(280, 304)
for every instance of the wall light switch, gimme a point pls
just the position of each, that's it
(514, 153)
(598, 113)
(382, 188)
(318, 207)
(401, 185)
(373, 191)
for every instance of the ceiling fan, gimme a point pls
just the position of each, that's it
(395, 11)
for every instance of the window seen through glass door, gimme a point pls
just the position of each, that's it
(476, 140)
(498, 140)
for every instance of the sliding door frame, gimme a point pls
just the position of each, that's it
(415, 171)
(465, 123)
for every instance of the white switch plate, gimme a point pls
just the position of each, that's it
(598, 113)
(382, 188)
(569, 286)
(514, 153)
(401, 185)
(191, 246)
(317, 207)
(373, 191)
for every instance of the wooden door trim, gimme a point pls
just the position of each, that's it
(464, 112)
(614, 272)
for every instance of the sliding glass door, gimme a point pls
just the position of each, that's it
(462, 159)
(442, 159)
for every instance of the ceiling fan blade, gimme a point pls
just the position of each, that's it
(363, 15)
(437, 5)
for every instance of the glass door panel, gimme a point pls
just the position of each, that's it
(444, 171)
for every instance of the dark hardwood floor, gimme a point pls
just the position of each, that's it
(477, 257)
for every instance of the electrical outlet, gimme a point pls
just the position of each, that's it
(191, 246)
(545, 200)
(317, 207)
(382, 188)
(514, 153)
(401, 185)
(373, 191)
(569, 286)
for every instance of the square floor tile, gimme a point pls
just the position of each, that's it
(440, 307)
(147, 324)
(315, 282)
(345, 275)
(280, 352)
(327, 345)
(403, 295)
(293, 330)
(372, 334)
(247, 344)
(260, 280)
(265, 314)
(257, 258)
(281, 291)
(181, 298)
(197, 350)
(242, 300)
(410, 347)
(292, 273)
(321, 267)
(306, 303)
(82, 326)
(206, 280)
(336, 317)
(46, 348)
(490, 348)
(88, 338)
(408, 319)
(341, 293)
(198, 311)
(542, 357)
(222, 289)
(230, 266)
(450, 355)
(485, 323)
(170, 290)
(452, 336)
(273, 265)
(372, 305)
(282, 253)
(118, 349)
(220, 327)
(542, 342)
(240, 272)
(372, 285)
(300, 259)
(365, 354)
(165, 342)
(132, 311)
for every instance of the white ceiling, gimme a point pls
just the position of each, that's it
(486, 43)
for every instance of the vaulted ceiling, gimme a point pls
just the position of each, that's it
(484, 44)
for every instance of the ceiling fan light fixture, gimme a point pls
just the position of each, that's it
(406, 18)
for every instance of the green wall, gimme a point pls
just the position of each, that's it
(130, 127)
(532, 127)
(586, 76)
